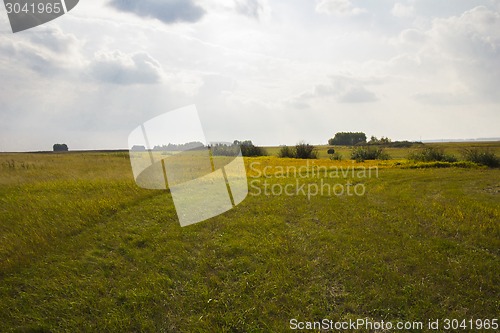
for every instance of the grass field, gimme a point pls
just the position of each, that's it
(83, 249)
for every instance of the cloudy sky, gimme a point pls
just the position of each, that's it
(273, 71)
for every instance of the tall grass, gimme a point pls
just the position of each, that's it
(482, 157)
(431, 154)
(365, 153)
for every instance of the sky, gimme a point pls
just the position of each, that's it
(271, 71)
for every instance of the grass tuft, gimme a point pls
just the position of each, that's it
(482, 157)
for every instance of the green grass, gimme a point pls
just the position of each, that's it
(82, 249)
(454, 148)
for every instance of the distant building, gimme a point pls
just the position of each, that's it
(138, 148)
(60, 147)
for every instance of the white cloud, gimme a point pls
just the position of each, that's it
(459, 53)
(118, 68)
(402, 10)
(357, 95)
(412, 37)
(253, 8)
(338, 7)
(347, 89)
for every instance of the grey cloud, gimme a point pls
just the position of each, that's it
(123, 69)
(347, 89)
(167, 11)
(412, 36)
(342, 88)
(469, 46)
(357, 95)
(251, 8)
(47, 52)
(54, 40)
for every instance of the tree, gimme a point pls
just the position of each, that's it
(60, 147)
(348, 139)
(249, 149)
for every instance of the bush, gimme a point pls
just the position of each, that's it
(301, 150)
(251, 150)
(482, 157)
(305, 151)
(286, 151)
(336, 157)
(403, 144)
(361, 154)
(430, 154)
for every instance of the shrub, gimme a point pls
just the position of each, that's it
(248, 149)
(301, 150)
(431, 154)
(305, 151)
(403, 144)
(482, 157)
(361, 154)
(336, 157)
(286, 151)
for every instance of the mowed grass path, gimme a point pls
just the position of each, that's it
(82, 249)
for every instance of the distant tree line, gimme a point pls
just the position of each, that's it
(359, 139)
(218, 149)
(383, 141)
(248, 149)
(179, 147)
(347, 139)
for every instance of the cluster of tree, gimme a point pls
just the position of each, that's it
(393, 144)
(247, 149)
(60, 147)
(223, 149)
(359, 139)
(348, 139)
(218, 149)
(381, 141)
(301, 150)
(179, 147)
